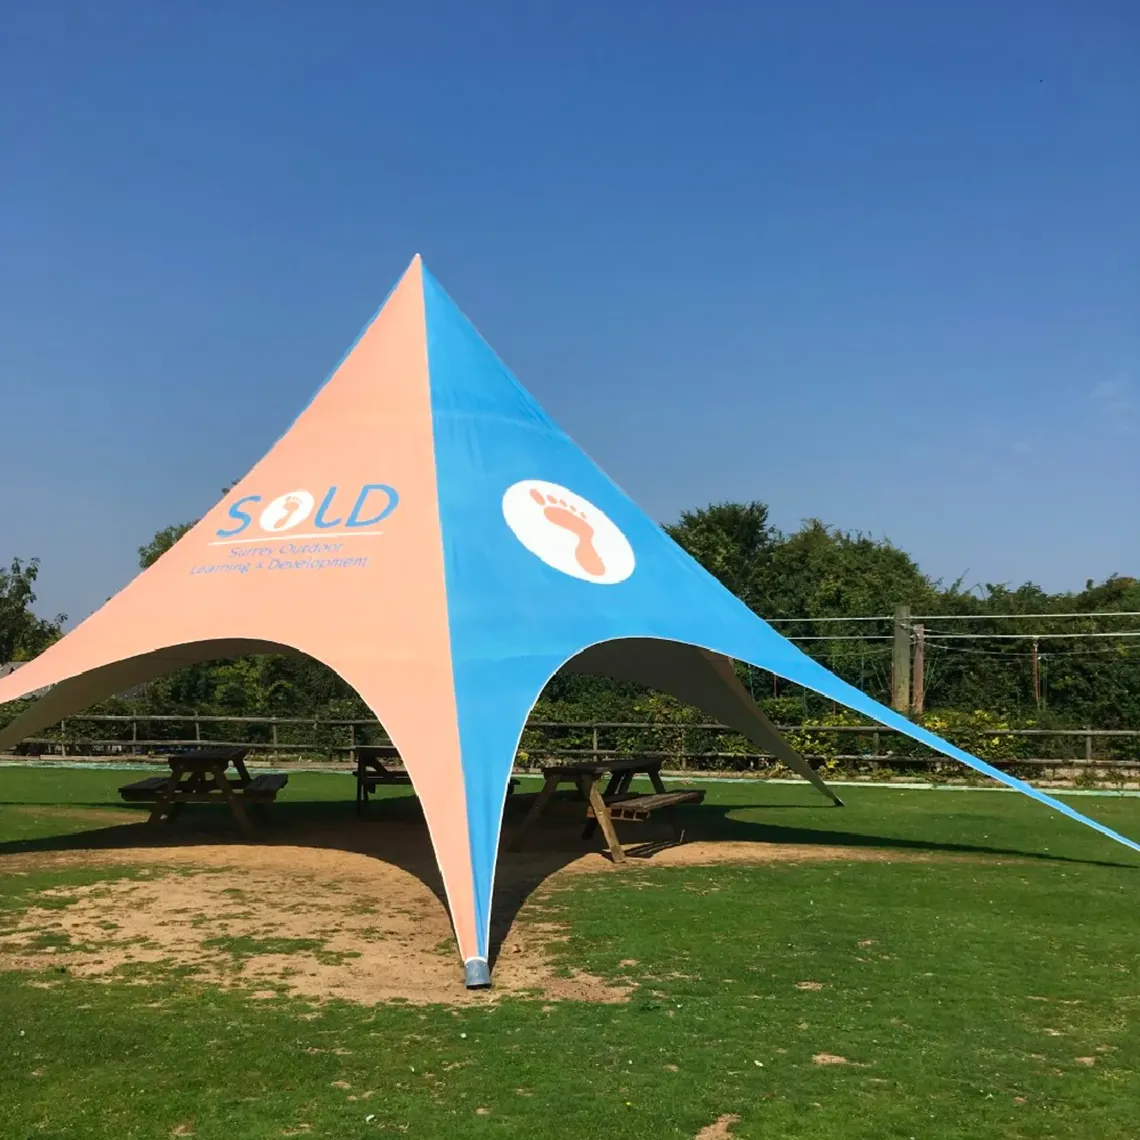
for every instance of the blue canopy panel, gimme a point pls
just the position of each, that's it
(545, 556)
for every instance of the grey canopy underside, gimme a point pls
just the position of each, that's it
(77, 693)
(700, 678)
(693, 675)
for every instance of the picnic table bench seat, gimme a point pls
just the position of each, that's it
(373, 772)
(369, 782)
(607, 805)
(264, 787)
(635, 807)
(142, 790)
(372, 779)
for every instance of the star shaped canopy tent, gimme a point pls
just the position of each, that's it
(428, 532)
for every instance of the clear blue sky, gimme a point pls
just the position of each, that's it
(873, 262)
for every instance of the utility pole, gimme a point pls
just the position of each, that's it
(900, 662)
(918, 698)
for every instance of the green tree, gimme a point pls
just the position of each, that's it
(162, 542)
(22, 634)
(164, 539)
(733, 542)
(820, 571)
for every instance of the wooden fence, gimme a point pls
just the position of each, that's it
(684, 747)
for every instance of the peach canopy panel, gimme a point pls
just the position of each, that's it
(426, 530)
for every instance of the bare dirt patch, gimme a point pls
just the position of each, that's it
(720, 1129)
(310, 923)
(709, 853)
(352, 912)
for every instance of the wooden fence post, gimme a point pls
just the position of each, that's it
(918, 684)
(900, 661)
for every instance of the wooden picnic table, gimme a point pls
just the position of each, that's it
(200, 777)
(614, 802)
(371, 771)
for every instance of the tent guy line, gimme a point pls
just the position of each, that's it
(966, 617)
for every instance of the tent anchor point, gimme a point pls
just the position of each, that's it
(477, 974)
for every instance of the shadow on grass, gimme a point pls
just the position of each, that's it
(392, 830)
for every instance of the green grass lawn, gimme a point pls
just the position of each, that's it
(991, 991)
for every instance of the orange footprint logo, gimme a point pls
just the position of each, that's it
(560, 513)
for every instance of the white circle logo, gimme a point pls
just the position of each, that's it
(567, 532)
(287, 511)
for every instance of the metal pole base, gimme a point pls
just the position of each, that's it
(477, 974)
